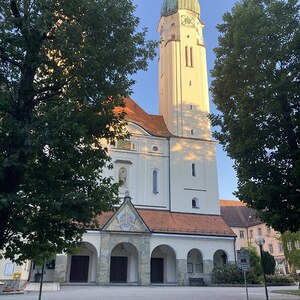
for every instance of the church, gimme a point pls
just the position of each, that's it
(168, 228)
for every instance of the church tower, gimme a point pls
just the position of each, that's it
(184, 105)
(183, 86)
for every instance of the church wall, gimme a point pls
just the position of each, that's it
(182, 244)
(193, 176)
(141, 242)
(175, 250)
(147, 153)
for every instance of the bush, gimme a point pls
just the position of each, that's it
(278, 279)
(230, 274)
(227, 274)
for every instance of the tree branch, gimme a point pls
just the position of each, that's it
(14, 9)
(9, 60)
(47, 96)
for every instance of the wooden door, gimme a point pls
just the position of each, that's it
(157, 270)
(118, 269)
(79, 268)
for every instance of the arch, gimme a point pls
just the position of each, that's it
(195, 262)
(83, 264)
(163, 265)
(220, 258)
(124, 264)
(195, 203)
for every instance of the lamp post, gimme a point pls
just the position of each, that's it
(260, 241)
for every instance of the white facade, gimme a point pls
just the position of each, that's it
(170, 229)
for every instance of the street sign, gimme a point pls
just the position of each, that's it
(243, 259)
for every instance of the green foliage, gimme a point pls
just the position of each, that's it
(291, 244)
(256, 89)
(230, 274)
(254, 261)
(227, 274)
(64, 67)
(269, 263)
(278, 279)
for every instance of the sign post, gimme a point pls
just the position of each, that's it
(243, 258)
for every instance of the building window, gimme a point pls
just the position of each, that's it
(242, 234)
(259, 232)
(195, 203)
(297, 245)
(251, 233)
(191, 107)
(50, 264)
(280, 247)
(271, 249)
(192, 131)
(155, 181)
(268, 231)
(289, 246)
(194, 170)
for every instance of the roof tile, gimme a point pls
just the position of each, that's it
(161, 221)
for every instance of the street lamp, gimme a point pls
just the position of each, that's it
(260, 241)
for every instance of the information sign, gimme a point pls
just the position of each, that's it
(243, 258)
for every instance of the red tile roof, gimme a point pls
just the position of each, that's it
(161, 221)
(153, 124)
(231, 203)
(183, 223)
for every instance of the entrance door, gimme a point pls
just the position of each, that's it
(157, 270)
(118, 269)
(79, 268)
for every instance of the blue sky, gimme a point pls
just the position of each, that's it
(145, 91)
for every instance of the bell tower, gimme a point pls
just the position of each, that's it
(183, 85)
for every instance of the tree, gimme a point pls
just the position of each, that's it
(269, 263)
(291, 247)
(256, 89)
(65, 65)
(255, 262)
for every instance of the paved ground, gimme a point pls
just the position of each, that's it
(151, 293)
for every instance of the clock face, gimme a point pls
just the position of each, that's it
(188, 21)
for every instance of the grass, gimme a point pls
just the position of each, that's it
(288, 292)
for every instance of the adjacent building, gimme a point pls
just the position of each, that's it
(247, 226)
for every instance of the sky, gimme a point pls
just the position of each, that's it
(145, 91)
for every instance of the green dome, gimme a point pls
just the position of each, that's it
(170, 7)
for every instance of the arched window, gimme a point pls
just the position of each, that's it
(195, 203)
(155, 175)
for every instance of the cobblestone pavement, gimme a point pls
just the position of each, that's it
(151, 293)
